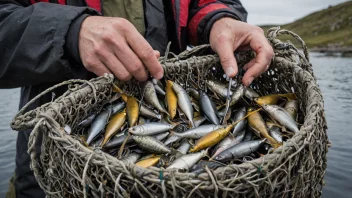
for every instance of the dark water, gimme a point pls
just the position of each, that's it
(335, 79)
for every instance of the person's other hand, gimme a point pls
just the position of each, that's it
(228, 34)
(113, 45)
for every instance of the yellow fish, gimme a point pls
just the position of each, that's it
(211, 138)
(257, 123)
(132, 109)
(115, 124)
(274, 98)
(171, 99)
(148, 162)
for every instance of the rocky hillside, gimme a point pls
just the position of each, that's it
(328, 28)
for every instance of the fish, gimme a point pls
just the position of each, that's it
(291, 107)
(257, 124)
(250, 93)
(218, 88)
(282, 116)
(193, 93)
(184, 102)
(115, 123)
(199, 167)
(161, 136)
(117, 141)
(151, 144)
(117, 107)
(273, 98)
(151, 128)
(132, 109)
(88, 121)
(158, 87)
(145, 163)
(141, 121)
(227, 143)
(199, 120)
(239, 114)
(274, 131)
(98, 125)
(151, 97)
(172, 138)
(198, 132)
(145, 111)
(239, 150)
(171, 99)
(208, 108)
(211, 138)
(131, 158)
(248, 136)
(184, 147)
(237, 94)
(185, 162)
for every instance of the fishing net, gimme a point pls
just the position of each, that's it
(67, 168)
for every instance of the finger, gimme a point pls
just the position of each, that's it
(114, 65)
(157, 53)
(146, 54)
(249, 64)
(225, 51)
(93, 64)
(254, 71)
(130, 60)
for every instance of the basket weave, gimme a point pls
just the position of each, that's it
(66, 168)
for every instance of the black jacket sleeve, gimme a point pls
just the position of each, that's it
(203, 15)
(33, 47)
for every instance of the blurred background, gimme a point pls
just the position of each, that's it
(326, 27)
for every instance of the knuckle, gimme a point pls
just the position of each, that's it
(99, 49)
(107, 36)
(125, 77)
(136, 67)
(222, 39)
(258, 29)
(225, 60)
(121, 24)
(147, 52)
(90, 63)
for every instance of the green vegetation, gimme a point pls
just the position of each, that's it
(331, 27)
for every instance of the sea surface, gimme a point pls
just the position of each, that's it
(335, 80)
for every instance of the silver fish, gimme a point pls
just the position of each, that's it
(172, 139)
(161, 136)
(208, 108)
(97, 142)
(151, 128)
(184, 102)
(240, 113)
(282, 116)
(193, 92)
(98, 124)
(88, 121)
(250, 93)
(184, 147)
(151, 144)
(228, 142)
(199, 132)
(239, 150)
(275, 132)
(248, 136)
(117, 141)
(145, 111)
(199, 120)
(237, 94)
(151, 97)
(218, 88)
(131, 158)
(291, 107)
(187, 161)
(158, 87)
(199, 167)
(141, 120)
(117, 107)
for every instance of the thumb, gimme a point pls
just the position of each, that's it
(227, 58)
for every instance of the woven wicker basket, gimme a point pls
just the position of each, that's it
(66, 168)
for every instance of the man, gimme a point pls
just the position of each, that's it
(44, 42)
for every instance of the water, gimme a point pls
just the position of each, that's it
(335, 79)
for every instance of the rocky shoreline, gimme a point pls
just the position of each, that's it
(340, 51)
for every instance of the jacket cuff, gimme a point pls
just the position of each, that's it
(71, 44)
(202, 22)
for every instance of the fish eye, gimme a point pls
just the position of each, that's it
(133, 129)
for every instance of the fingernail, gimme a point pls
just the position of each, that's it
(160, 75)
(250, 80)
(229, 71)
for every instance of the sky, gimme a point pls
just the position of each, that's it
(278, 12)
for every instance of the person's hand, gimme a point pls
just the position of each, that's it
(228, 34)
(113, 45)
